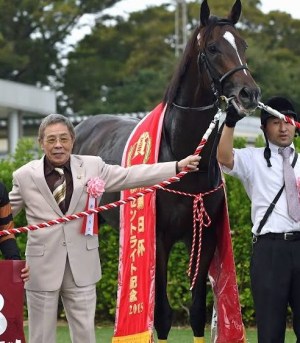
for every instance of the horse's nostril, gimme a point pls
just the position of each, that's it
(244, 93)
(249, 94)
(249, 97)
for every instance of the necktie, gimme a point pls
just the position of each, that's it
(290, 184)
(59, 192)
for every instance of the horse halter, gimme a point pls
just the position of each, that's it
(215, 81)
(202, 59)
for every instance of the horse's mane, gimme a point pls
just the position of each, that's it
(189, 52)
(172, 88)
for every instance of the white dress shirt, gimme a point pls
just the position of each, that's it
(262, 183)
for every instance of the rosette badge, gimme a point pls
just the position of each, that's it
(95, 187)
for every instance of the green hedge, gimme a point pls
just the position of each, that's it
(178, 285)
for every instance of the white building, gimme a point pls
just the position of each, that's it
(19, 102)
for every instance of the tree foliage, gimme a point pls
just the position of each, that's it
(122, 68)
(125, 67)
(32, 34)
(125, 64)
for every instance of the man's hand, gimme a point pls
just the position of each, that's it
(232, 116)
(191, 163)
(25, 274)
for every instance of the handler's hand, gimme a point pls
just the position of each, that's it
(191, 163)
(232, 116)
(25, 274)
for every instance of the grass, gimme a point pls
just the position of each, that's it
(177, 335)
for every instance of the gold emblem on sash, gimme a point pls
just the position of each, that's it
(140, 150)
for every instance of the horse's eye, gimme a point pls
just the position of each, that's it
(212, 49)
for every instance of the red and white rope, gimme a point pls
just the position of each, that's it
(279, 115)
(201, 217)
(95, 210)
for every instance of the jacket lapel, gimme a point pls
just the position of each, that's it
(40, 182)
(78, 175)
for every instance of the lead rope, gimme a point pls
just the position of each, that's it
(279, 115)
(200, 219)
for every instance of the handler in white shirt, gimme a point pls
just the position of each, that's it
(275, 261)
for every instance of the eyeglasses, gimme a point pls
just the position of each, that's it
(53, 139)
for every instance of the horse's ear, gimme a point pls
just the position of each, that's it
(204, 13)
(235, 13)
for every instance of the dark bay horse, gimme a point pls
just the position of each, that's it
(213, 64)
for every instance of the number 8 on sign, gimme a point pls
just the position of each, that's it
(3, 321)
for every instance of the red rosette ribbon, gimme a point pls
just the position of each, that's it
(95, 189)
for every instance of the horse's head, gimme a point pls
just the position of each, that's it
(221, 57)
(214, 64)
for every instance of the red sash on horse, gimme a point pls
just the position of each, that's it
(135, 307)
(136, 282)
(227, 324)
(11, 302)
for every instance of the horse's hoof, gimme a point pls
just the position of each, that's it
(199, 340)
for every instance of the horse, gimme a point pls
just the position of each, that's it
(212, 64)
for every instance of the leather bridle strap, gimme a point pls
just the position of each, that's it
(232, 71)
(209, 68)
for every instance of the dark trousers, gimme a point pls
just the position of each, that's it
(275, 282)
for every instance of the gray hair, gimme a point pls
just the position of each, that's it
(55, 119)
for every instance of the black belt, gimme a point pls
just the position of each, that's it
(287, 236)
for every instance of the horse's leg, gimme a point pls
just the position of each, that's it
(198, 306)
(163, 310)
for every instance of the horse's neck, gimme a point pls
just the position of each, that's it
(195, 89)
(184, 130)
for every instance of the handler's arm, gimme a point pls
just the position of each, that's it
(225, 148)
